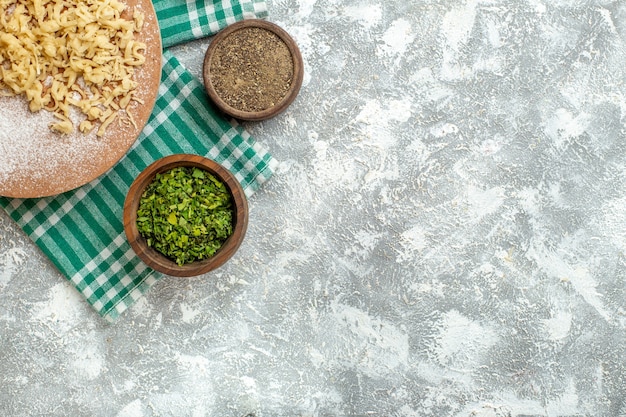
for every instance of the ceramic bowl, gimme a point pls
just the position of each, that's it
(296, 81)
(156, 260)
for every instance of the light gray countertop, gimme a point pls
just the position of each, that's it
(445, 236)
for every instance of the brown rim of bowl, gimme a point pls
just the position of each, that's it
(157, 260)
(298, 71)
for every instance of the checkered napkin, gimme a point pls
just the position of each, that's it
(82, 232)
(181, 21)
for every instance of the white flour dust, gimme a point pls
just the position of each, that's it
(456, 29)
(376, 121)
(132, 409)
(558, 326)
(373, 346)
(189, 314)
(87, 357)
(63, 307)
(10, 261)
(30, 151)
(306, 8)
(412, 242)
(583, 282)
(397, 39)
(563, 126)
(368, 16)
(484, 202)
(461, 342)
(458, 23)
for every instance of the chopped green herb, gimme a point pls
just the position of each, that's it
(186, 214)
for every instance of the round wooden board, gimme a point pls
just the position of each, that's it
(36, 162)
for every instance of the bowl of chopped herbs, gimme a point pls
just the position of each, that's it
(185, 215)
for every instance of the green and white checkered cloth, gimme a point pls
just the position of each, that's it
(82, 232)
(181, 21)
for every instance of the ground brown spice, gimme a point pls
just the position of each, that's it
(252, 69)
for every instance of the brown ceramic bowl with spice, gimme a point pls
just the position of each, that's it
(253, 70)
(155, 259)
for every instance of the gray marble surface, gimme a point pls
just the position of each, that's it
(445, 236)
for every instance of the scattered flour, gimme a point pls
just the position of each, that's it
(530, 200)
(87, 357)
(412, 241)
(577, 275)
(396, 40)
(462, 343)
(456, 28)
(306, 8)
(490, 147)
(444, 130)
(133, 409)
(31, 153)
(558, 327)
(195, 364)
(367, 15)
(613, 220)
(370, 345)
(63, 308)
(9, 264)
(483, 202)
(458, 23)
(61, 311)
(566, 404)
(608, 19)
(197, 392)
(374, 120)
(29, 146)
(538, 5)
(507, 404)
(303, 35)
(331, 169)
(564, 126)
(189, 314)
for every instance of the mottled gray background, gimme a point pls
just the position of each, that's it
(445, 236)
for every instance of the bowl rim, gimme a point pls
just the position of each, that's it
(156, 260)
(296, 83)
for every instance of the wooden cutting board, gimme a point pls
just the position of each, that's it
(36, 162)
